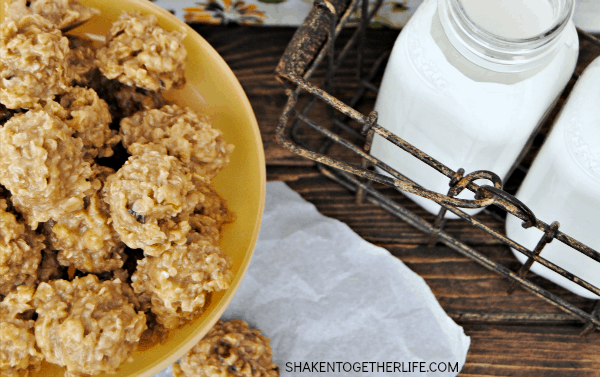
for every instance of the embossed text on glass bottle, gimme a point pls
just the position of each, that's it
(563, 184)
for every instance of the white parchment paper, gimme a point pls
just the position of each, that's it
(323, 294)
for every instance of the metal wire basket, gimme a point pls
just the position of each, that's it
(312, 44)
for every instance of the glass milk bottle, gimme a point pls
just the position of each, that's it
(468, 81)
(563, 184)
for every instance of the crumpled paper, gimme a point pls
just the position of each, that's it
(323, 294)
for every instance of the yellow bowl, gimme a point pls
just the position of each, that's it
(211, 89)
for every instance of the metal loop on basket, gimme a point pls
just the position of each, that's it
(547, 237)
(325, 4)
(485, 189)
(469, 178)
(460, 173)
(550, 233)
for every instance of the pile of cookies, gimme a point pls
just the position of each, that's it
(110, 226)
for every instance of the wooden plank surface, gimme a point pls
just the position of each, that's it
(511, 335)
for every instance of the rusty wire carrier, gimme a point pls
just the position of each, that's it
(312, 43)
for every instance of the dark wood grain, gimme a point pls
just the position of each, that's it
(511, 335)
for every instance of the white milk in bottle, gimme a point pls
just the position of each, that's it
(468, 81)
(563, 184)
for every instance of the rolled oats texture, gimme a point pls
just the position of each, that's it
(86, 239)
(175, 284)
(18, 352)
(43, 166)
(178, 132)
(89, 117)
(229, 349)
(150, 199)
(141, 53)
(20, 252)
(56, 109)
(62, 14)
(32, 39)
(85, 325)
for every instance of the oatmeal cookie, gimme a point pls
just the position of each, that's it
(140, 53)
(43, 166)
(20, 252)
(86, 239)
(229, 349)
(89, 117)
(175, 284)
(63, 14)
(150, 198)
(178, 132)
(18, 352)
(34, 63)
(85, 325)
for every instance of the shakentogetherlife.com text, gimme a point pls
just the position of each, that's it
(370, 367)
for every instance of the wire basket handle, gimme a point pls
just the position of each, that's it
(310, 37)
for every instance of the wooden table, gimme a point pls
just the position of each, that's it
(511, 335)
